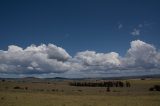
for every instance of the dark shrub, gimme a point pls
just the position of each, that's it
(17, 87)
(26, 88)
(157, 87)
(143, 79)
(151, 89)
(63, 105)
(41, 89)
(2, 98)
(3, 80)
(80, 90)
(6, 87)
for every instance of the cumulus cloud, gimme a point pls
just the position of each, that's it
(135, 32)
(141, 56)
(34, 59)
(99, 61)
(49, 58)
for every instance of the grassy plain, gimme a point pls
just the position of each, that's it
(59, 93)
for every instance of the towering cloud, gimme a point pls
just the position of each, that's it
(45, 59)
(141, 55)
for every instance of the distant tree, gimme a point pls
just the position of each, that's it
(128, 84)
(108, 89)
(100, 84)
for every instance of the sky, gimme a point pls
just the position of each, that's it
(79, 38)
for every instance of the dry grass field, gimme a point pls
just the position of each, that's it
(60, 93)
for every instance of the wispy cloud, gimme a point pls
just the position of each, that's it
(135, 32)
(140, 25)
(120, 26)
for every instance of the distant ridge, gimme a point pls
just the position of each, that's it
(100, 78)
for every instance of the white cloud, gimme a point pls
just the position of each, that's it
(101, 61)
(135, 32)
(34, 59)
(142, 55)
(47, 59)
(120, 26)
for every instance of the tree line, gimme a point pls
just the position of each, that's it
(101, 84)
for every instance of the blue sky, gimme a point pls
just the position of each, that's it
(102, 26)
